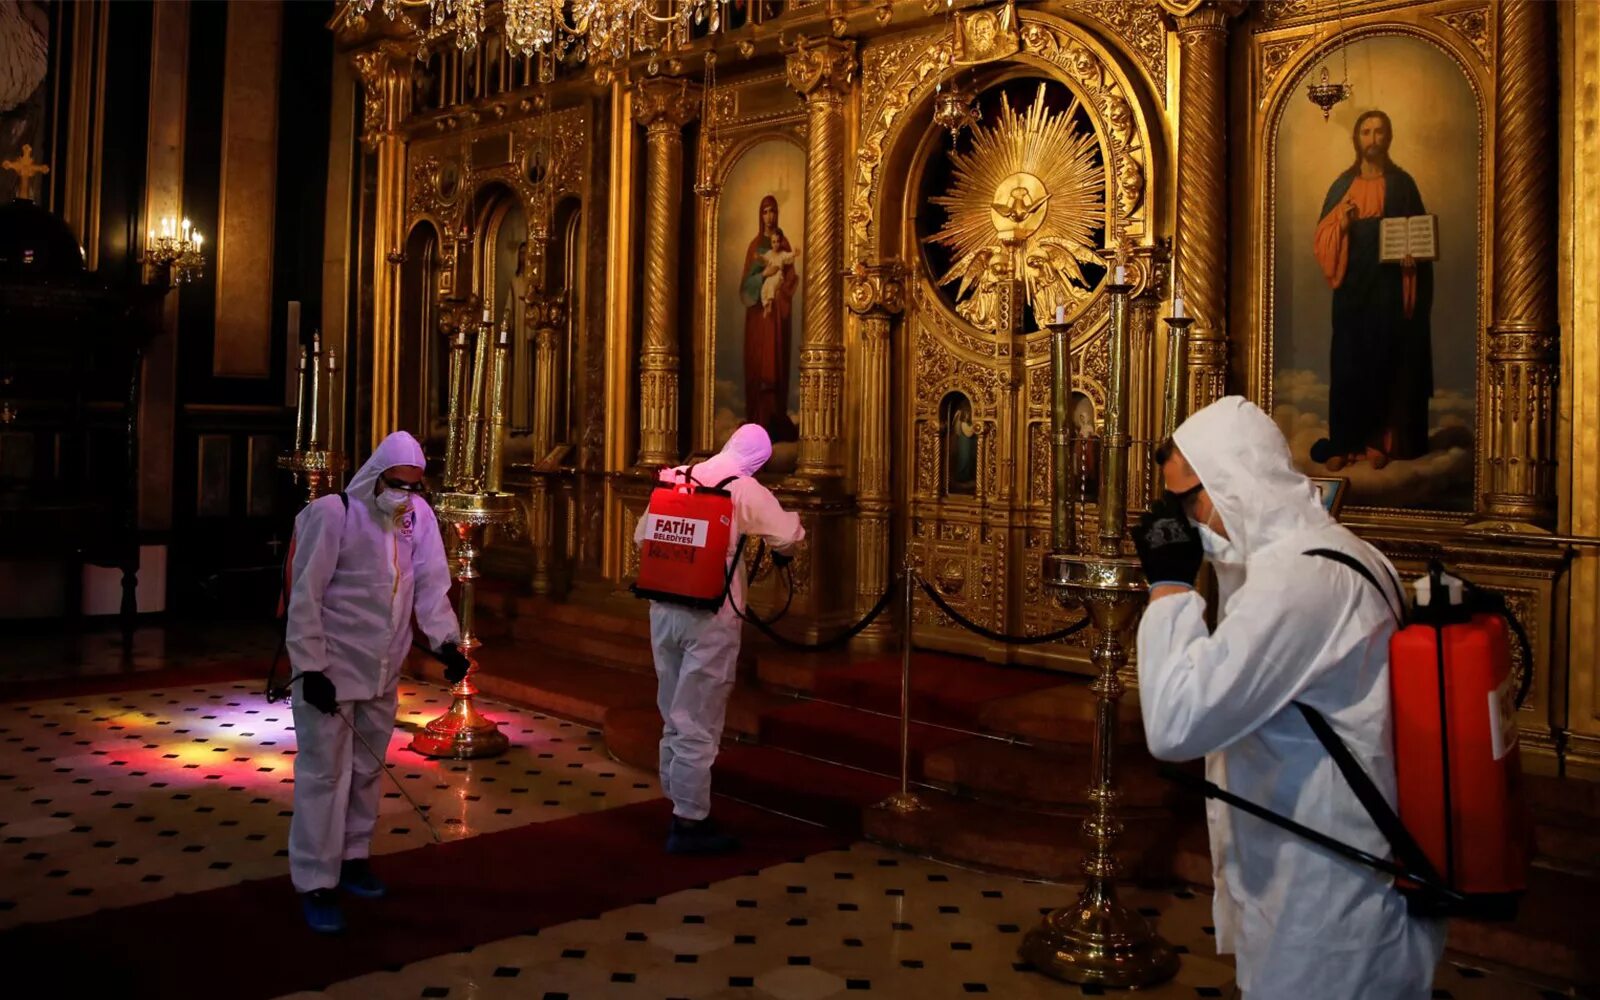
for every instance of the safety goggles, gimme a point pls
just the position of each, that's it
(418, 487)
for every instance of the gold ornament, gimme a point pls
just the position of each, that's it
(1027, 199)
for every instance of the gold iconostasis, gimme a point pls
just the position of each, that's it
(855, 223)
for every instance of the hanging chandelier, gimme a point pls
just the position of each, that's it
(579, 29)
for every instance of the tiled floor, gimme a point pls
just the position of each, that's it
(111, 800)
(847, 923)
(117, 799)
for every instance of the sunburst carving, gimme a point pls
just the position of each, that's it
(1029, 193)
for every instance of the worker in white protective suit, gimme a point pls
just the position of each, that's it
(696, 651)
(1303, 922)
(364, 561)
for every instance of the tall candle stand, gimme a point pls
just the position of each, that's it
(473, 501)
(1098, 940)
(315, 464)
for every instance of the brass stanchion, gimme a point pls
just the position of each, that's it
(1097, 940)
(473, 503)
(905, 801)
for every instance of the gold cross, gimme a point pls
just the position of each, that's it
(25, 169)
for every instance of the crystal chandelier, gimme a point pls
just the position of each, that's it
(609, 29)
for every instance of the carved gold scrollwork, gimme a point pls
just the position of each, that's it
(1476, 25)
(900, 73)
(822, 67)
(1276, 55)
(666, 103)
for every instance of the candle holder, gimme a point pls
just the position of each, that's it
(314, 465)
(175, 254)
(472, 504)
(1098, 940)
(316, 470)
(463, 732)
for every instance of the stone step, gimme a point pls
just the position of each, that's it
(630, 617)
(1047, 779)
(773, 779)
(593, 645)
(1020, 842)
(584, 692)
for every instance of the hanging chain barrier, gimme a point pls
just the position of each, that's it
(991, 634)
(764, 625)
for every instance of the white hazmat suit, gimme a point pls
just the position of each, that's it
(696, 652)
(1304, 923)
(358, 575)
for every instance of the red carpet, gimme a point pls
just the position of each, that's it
(247, 941)
(253, 670)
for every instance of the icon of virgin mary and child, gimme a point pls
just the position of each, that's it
(766, 289)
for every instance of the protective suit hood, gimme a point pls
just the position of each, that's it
(399, 448)
(747, 450)
(1243, 461)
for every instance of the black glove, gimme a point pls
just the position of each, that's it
(780, 559)
(455, 662)
(1169, 546)
(318, 691)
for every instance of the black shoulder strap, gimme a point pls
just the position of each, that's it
(724, 484)
(1405, 846)
(1346, 559)
(344, 498)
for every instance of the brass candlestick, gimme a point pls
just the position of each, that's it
(1097, 940)
(473, 462)
(463, 732)
(313, 465)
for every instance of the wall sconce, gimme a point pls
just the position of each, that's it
(176, 252)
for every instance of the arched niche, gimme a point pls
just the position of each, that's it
(422, 349)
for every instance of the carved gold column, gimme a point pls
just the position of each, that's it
(876, 296)
(1522, 339)
(663, 105)
(821, 71)
(1202, 224)
(385, 82)
(547, 314)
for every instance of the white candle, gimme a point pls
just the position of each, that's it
(186, 229)
(1120, 276)
(198, 239)
(1061, 314)
(1178, 311)
(487, 318)
(294, 322)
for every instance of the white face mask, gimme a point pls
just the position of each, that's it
(1217, 548)
(394, 503)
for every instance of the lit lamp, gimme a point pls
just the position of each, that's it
(174, 250)
(472, 502)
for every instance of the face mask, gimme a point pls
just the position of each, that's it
(1217, 548)
(394, 503)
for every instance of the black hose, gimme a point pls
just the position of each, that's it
(1010, 640)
